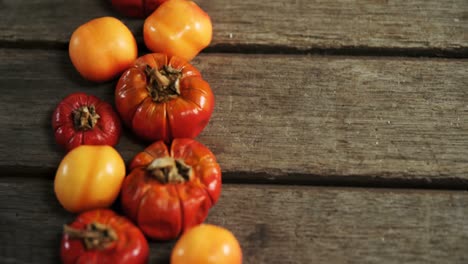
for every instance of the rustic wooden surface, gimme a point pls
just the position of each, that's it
(279, 116)
(375, 26)
(307, 93)
(275, 224)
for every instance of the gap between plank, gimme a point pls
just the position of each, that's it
(353, 181)
(355, 51)
(240, 177)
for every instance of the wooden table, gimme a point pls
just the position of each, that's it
(341, 127)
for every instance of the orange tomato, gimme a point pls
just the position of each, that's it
(89, 177)
(102, 48)
(178, 28)
(206, 244)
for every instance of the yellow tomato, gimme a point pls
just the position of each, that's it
(89, 177)
(178, 28)
(206, 244)
(102, 48)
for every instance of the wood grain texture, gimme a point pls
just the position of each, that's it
(276, 117)
(274, 224)
(263, 26)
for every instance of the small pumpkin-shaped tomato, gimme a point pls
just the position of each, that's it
(178, 28)
(82, 119)
(101, 236)
(162, 98)
(136, 8)
(171, 190)
(89, 177)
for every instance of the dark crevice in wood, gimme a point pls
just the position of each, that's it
(356, 51)
(360, 181)
(240, 177)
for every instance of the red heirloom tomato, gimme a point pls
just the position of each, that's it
(171, 190)
(136, 8)
(82, 119)
(178, 28)
(103, 237)
(163, 97)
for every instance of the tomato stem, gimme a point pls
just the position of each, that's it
(163, 84)
(170, 170)
(85, 117)
(94, 236)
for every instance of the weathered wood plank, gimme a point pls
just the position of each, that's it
(263, 25)
(287, 118)
(274, 224)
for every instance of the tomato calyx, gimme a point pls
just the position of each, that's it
(170, 170)
(85, 117)
(94, 236)
(164, 84)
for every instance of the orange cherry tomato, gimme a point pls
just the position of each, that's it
(102, 48)
(178, 28)
(89, 177)
(206, 244)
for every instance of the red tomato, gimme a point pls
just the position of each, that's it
(82, 119)
(171, 190)
(163, 97)
(102, 48)
(178, 28)
(205, 244)
(103, 237)
(136, 8)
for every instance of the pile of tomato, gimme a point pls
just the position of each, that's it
(168, 188)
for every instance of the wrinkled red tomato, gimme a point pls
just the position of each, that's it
(82, 119)
(171, 190)
(162, 98)
(136, 8)
(101, 236)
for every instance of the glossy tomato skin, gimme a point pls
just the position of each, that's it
(89, 177)
(130, 247)
(70, 134)
(184, 116)
(178, 28)
(136, 8)
(102, 48)
(207, 244)
(164, 210)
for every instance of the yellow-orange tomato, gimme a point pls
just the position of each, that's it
(102, 48)
(178, 28)
(206, 244)
(89, 177)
